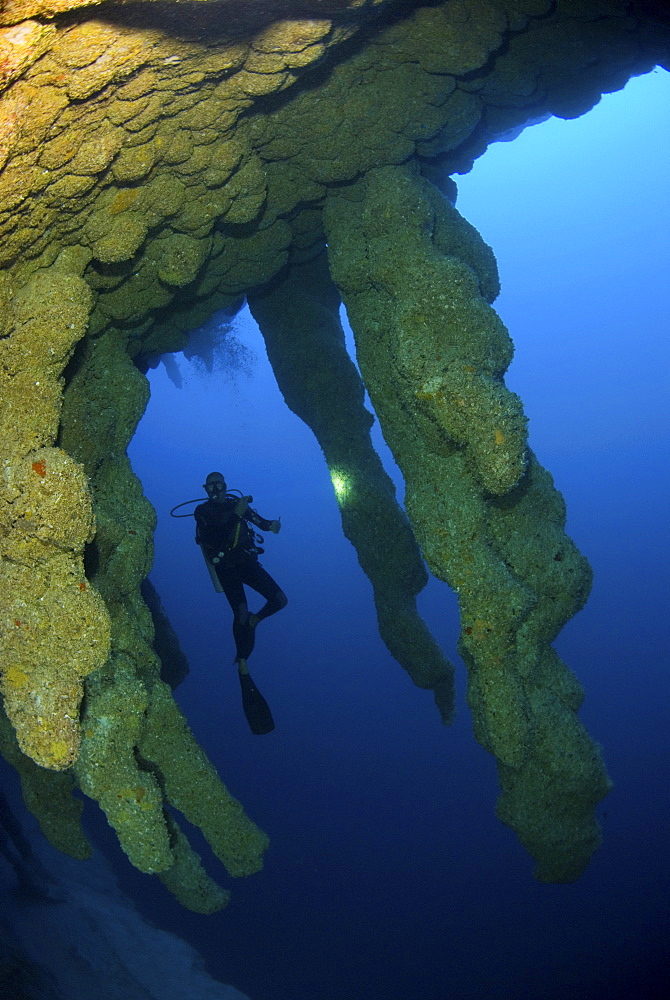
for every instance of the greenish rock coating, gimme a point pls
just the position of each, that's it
(415, 279)
(155, 170)
(300, 322)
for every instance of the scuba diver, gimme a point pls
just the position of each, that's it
(231, 549)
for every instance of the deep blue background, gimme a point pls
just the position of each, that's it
(389, 877)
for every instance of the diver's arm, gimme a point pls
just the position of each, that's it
(199, 525)
(262, 522)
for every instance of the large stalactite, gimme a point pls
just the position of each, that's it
(158, 162)
(414, 277)
(300, 322)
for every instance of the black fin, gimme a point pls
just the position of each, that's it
(255, 707)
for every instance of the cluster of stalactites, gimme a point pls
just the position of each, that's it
(164, 177)
(416, 280)
(299, 319)
(74, 627)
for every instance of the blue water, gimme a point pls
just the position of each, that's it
(389, 877)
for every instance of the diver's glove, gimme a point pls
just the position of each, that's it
(275, 526)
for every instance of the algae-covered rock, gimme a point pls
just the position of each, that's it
(486, 515)
(59, 632)
(56, 626)
(193, 787)
(107, 770)
(49, 796)
(159, 162)
(181, 259)
(299, 319)
(20, 46)
(187, 880)
(137, 754)
(121, 239)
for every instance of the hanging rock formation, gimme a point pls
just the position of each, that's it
(305, 343)
(159, 161)
(415, 278)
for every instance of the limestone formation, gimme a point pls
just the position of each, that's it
(414, 277)
(55, 624)
(158, 162)
(305, 344)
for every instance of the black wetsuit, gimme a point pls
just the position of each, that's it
(227, 538)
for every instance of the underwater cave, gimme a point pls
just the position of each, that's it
(161, 164)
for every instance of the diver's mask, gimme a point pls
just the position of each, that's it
(216, 489)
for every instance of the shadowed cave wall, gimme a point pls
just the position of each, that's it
(159, 163)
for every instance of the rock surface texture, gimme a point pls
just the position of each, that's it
(158, 162)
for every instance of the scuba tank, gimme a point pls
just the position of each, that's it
(211, 569)
(211, 563)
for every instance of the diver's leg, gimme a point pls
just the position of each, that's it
(254, 705)
(260, 580)
(243, 632)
